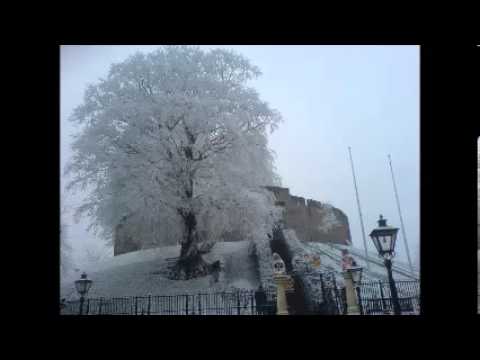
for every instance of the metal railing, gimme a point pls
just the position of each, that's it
(243, 302)
(375, 297)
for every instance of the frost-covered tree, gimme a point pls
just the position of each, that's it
(174, 139)
(66, 260)
(92, 256)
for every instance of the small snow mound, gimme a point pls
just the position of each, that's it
(242, 284)
(141, 256)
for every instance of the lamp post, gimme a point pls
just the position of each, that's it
(384, 238)
(83, 285)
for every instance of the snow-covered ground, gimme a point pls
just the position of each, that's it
(143, 272)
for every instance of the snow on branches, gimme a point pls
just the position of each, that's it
(174, 135)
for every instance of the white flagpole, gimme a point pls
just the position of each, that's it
(359, 210)
(404, 235)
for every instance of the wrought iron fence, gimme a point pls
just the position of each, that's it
(244, 302)
(332, 302)
(375, 297)
(324, 296)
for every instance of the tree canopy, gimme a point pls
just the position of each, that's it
(175, 142)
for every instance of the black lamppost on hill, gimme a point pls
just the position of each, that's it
(83, 285)
(384, 238)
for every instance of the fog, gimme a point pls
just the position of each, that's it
(331, 97)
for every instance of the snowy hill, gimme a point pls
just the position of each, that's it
(331, 258)
(143, 272)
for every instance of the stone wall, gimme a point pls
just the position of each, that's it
(311, 219)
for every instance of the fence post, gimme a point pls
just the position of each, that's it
(199, 304)
(338, 299)
(359, 297)
(136, 305)
(323, 288)
(238, 302)
(343, 293)
(384, 307)
(149, 303)
(186, 304)
(100, 306)
(252, 295)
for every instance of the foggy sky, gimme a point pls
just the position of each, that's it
(330, 97)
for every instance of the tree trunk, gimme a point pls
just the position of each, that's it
(190, 263)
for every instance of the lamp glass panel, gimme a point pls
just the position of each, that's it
(386, 243)
(88, 285)
(394, 239)
(80, 286)
(357, 275)
(376, 242)
(83, 285)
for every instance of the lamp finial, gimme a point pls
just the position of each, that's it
(382, 222)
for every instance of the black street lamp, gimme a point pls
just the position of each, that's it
(384, 238)
(83, 285)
